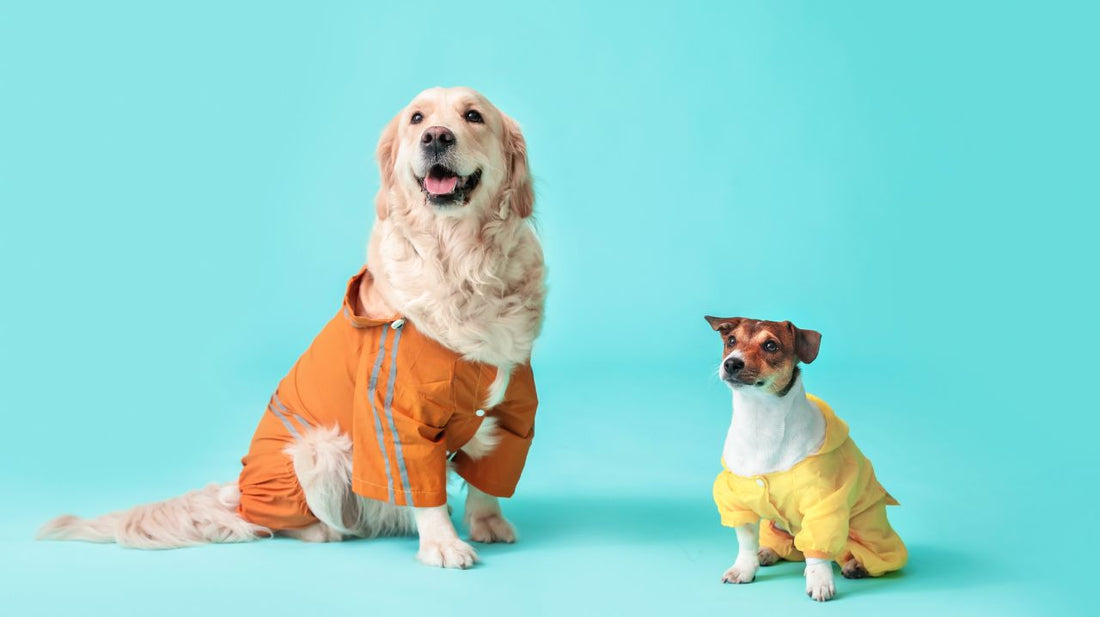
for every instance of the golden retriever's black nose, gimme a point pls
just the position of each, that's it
(437, 139)
(733, 365)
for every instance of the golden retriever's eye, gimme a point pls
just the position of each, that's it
(417, 118)
(474, 116)
(770, 346)
(731, 341)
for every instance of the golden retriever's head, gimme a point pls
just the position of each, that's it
(451, 153)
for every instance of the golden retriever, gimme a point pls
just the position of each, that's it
(452, 250)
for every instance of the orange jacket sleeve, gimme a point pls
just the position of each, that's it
(498, 472)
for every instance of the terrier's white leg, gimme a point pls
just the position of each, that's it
(819, 579)
(744, 567)
(484, 518)
(439, 543)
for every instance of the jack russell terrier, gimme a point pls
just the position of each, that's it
(788, 462)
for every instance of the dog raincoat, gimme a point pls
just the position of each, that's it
(827, 506)
(408, 404)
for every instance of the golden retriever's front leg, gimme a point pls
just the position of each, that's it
(485, 520)
(439, 543)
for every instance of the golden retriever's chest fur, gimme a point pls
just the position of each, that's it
(477, 289)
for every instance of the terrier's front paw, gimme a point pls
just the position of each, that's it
(819, 582)
(491, 527)
(452, 553)
(742, 571)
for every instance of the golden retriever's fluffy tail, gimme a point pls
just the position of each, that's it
(198, 517)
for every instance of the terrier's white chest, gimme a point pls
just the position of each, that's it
(770, 433)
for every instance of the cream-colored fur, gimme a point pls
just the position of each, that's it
(198, 517)
(484, 440)
(322, 461)
(472, 276)
(469, 275)
(485, 520)
(440, 545)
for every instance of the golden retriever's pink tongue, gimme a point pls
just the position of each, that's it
(441, 186)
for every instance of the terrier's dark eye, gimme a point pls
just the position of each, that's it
(474, 116)
(731, 341)
(417, 118)
(770, 346)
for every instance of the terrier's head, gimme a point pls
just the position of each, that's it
(763, 355)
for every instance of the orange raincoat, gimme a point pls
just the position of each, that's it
(409, 404)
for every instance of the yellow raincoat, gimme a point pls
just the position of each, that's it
(827, 506)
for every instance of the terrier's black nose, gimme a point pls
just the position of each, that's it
(733, 365)
(437, 139)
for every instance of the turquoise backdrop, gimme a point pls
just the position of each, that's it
(186, 186)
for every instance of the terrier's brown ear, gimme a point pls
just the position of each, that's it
(806, 344)
(725, 325)
(386, 153)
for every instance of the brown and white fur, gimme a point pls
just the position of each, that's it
(774, 426)
(453, 250)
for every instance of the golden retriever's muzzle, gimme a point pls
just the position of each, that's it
(442, 185)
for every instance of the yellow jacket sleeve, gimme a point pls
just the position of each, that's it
(827, 511)
(732, 510)
(824, 530)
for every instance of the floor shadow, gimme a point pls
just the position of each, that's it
(615, 519)
(690, 523)
(934, 568)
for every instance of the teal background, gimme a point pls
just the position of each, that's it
(185, 188)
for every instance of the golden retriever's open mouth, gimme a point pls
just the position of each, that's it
(444, 187)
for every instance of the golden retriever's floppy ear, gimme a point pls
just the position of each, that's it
(723, 324)
(386, 153)
(518, 189)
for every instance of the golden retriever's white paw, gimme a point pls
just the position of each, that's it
(491, 527)
(317, 532)
(742, 571)
(453, 553)
(819, 581)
